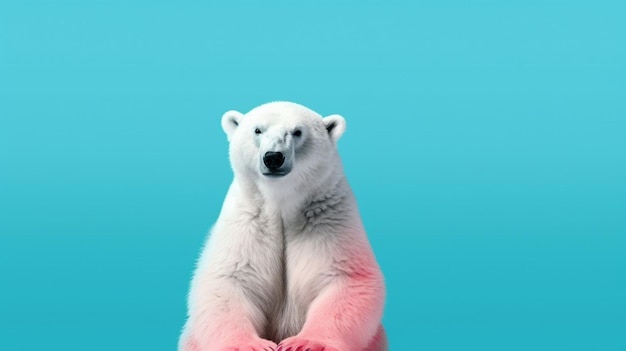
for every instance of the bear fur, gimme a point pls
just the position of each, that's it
(287, 265)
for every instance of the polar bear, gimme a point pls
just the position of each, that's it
(287, 265)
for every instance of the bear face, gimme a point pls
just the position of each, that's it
(282, 141)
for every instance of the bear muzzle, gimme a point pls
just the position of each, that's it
(275, 165)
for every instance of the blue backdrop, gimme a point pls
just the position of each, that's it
(485, 144)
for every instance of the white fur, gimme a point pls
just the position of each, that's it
(288, 260)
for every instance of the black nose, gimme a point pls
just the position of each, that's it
(273, 160)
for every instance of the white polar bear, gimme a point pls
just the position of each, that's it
(288, 265)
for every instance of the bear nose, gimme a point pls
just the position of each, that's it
(273, 160)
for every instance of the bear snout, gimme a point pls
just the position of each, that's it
(273, 160)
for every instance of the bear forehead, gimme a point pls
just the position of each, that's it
(283, 111)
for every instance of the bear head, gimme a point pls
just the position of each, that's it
(283, 142)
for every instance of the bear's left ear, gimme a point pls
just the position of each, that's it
(230, 122)
(335, 126)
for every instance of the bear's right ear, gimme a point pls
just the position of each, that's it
(230, 122)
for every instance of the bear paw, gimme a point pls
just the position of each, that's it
(257, 345)
(299, 344)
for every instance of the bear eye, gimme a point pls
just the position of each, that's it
(297, 133)
(257, 131)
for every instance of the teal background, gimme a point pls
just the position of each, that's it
(485, 144)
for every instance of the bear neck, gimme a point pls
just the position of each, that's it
(289, 199)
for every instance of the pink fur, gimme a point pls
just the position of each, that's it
(341, 316)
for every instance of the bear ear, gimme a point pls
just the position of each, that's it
(335, 126)
(230, 122)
